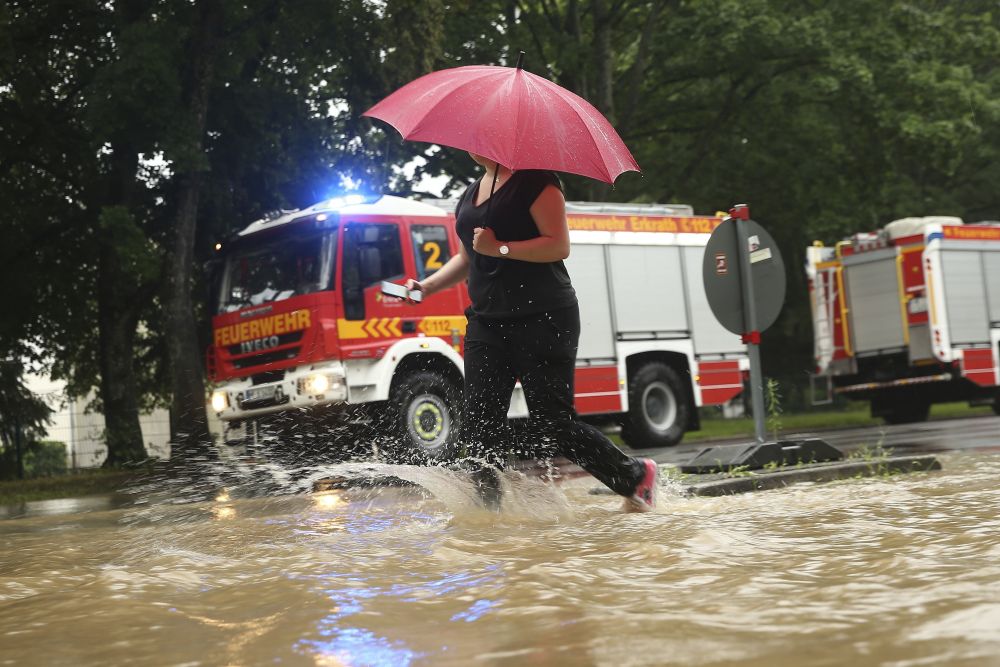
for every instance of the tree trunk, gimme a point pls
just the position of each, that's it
(116, 342)
(117, 313)
(189, 423)
(636, 73)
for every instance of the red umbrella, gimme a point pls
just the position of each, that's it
(506, 114)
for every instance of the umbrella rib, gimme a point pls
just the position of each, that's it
(428, 114)
(585, 119)
(608, 138)
(517, 112)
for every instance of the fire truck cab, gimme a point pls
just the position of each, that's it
(909, 315)
(302, 327)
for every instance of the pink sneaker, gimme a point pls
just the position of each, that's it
(644, 497)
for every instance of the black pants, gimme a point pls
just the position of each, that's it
(540, 351)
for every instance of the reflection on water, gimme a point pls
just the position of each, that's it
(900, 572)
(64, 506)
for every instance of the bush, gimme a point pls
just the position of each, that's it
(45, 458)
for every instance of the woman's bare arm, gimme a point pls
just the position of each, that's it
(454, 271)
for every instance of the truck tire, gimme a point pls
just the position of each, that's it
(907, 412)
(996, 404)
(658, 407)
(426, 410)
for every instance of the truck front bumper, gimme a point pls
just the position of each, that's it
(301, 387)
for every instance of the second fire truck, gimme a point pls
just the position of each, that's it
(302, 326)
(909, 316)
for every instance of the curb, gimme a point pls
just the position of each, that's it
(718, 484)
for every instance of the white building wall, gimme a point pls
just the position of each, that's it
(82, 432)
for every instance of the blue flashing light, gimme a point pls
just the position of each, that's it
(327, 214)
(342, 201)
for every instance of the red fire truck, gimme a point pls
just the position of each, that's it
(302, 326)
(910, 315)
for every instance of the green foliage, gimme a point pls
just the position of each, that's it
(872, 452)
(38, 459)
(45, 458)
(772, 400)
(23, 416)
(138, 255)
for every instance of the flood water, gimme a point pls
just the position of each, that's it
(900, 571)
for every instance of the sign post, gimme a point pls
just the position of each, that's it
(745, 284)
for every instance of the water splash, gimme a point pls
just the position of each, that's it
(216, 482)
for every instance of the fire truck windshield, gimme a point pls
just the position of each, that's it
(276, 268)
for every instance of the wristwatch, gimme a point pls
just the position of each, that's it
(504, 249)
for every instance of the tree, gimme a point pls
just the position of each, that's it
(119, 119)
(71, 194)
(23, 416)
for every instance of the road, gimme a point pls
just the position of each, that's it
(979, 433)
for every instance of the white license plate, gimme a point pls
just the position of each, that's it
(259, 393)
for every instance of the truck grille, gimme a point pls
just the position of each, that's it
(266, 377)
(264, 402)
(266, 358)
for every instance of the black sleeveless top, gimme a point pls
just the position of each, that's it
(505, 288)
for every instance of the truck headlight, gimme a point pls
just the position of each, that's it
(220, 401)
(316, 384)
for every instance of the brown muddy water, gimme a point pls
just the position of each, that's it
(899, 572)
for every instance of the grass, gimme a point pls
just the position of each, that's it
(717, 428)
(72, 485)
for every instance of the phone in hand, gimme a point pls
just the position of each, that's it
(392, 289)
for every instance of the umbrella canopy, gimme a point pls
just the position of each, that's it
(511, 116)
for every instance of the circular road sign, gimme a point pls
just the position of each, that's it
(723, 276)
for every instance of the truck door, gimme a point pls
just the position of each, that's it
(875, 302)
(441, 314)
(372, 253)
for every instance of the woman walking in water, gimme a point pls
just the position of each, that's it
(524, 324)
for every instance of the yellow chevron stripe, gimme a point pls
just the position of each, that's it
(351, 329)
(386, 327)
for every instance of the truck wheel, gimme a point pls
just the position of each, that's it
(426, 414)
(907, 412)
(996, 404)
(658, 407)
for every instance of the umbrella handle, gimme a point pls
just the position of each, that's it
(481, 259)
